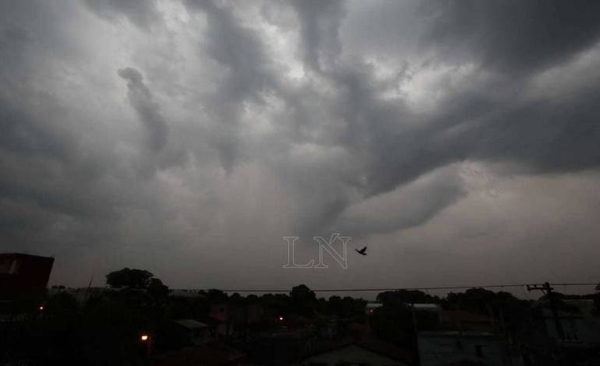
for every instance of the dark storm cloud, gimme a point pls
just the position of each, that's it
(23, 133)
(37, 152)
(398, 146)
(61, 186)
(546, 135)
(248, 74)
(271, 119)
(141, 99)
(319, 24)
(407, 207)
(515, 37)
(239, 50)
(549, 136)
(142, 13)
(374, 127)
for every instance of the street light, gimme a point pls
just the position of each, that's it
(145, 338)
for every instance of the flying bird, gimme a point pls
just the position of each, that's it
(363, 251)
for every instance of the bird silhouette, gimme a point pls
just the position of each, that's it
(363, 251)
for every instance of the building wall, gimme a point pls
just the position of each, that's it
(351, 355)
(21, 274)
(577, 327)
(447, 349)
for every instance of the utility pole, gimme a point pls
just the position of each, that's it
(416, 329)
(548, 290)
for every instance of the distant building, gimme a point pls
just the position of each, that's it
(447, 348)
(352, 355)
(580, 344)
(192, 331)
(577, 320)
(23, 275)
(280, 348)
(371, 306)
(181, 333)
(435, 308)
(464, 338)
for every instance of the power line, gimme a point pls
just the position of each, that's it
(383, 289)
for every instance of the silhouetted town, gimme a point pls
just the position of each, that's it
(138, 320)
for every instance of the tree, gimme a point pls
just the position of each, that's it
(216, 296)
(132, 278)
(303, 300)
(276, 305)
(62, 305)
(352, 308)
(406, 297)
(477, 300)
(157, 289)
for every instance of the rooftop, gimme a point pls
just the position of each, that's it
(190, 323)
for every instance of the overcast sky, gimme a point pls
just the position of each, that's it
(459, 141)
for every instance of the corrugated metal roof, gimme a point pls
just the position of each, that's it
(190, 323)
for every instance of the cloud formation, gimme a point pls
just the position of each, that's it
(195, 134)
(140, 98)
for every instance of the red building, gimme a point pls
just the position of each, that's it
(23, 274)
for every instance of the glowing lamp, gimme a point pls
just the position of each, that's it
(144, 337)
